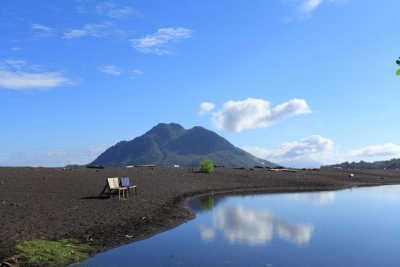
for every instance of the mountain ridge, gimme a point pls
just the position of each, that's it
(171, 144)
(382, 164)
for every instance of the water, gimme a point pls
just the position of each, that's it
(354, 227)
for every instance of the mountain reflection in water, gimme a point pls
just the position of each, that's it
(253, 227)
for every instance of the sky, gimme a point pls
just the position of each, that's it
(301, 83)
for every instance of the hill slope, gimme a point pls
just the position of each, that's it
(385, 164)
(169, 144)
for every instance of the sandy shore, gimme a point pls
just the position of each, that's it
(52, 203)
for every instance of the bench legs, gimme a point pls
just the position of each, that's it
(123, 191)
(132, 190)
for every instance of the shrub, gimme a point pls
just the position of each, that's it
(206, 166)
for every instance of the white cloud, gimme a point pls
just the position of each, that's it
(205, 107)
(40, 27)
(388, 149)
(74, 34)
(255, 113)
(105, 30)
(114, 70)
(307, 7)
(312, 149)
(315, 150)
(16, 63)
(103, 7)
(135, 73)
(26, 80)
(40, 31)
(122, 13)
(18, 75)
(157, 43)
(110, 69)
(61, 157)
(111, 10)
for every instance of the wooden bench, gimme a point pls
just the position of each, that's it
(113, 186)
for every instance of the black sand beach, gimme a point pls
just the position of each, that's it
(56, 203)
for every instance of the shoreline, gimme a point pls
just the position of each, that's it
(56, 203)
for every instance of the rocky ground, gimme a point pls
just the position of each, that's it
(56, 203)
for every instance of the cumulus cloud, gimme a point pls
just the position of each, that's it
(388, 149)
(57, 158)
(315, 150)
(110, 69)
(17, 75)
(255, 113)
(312, 148)
(205, 107)
(158, 42)
(105, 30)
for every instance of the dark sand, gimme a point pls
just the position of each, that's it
(52, 203)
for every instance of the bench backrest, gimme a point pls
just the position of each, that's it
(113, 182)
(125, 181)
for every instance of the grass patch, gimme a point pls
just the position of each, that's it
(51, 253)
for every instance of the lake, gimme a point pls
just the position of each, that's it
(352, 227)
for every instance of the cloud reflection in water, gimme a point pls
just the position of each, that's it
(316, 198)
(255, 228)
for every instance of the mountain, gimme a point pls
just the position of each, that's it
(170, 144)
(385, 164)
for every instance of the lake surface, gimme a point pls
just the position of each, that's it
(352, 227)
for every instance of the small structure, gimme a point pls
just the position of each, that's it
(95, 166)
(113, 187)
(126, 183)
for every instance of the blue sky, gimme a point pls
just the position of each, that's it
(296, 82)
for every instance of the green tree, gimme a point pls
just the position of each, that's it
(206, 166)
(398, 63)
